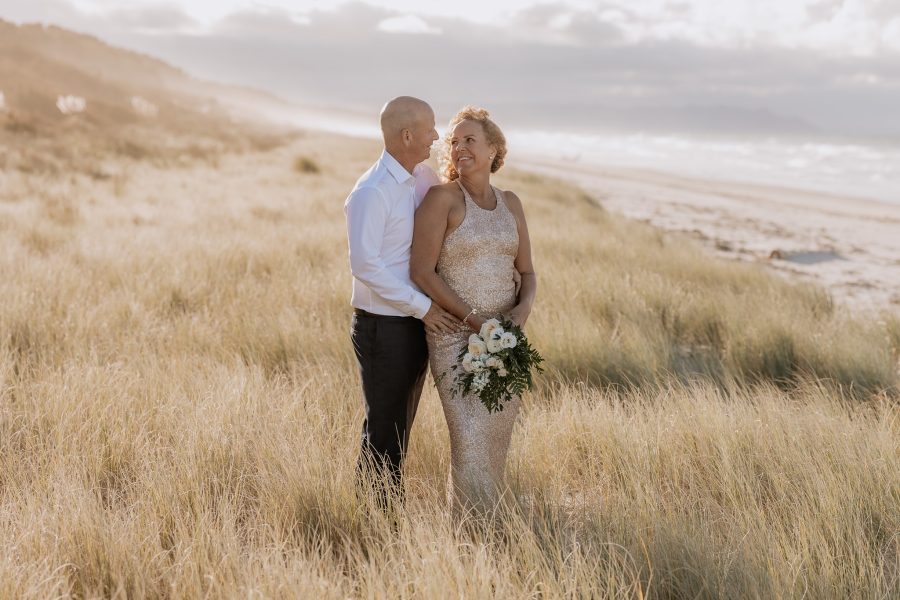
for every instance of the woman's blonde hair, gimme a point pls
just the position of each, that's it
(492, 132)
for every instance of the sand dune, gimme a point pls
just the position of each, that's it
(180, 410)
(180, 406)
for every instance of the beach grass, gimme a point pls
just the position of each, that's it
(180, 408)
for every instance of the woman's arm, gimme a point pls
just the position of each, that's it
(520, 313)
(428, 237)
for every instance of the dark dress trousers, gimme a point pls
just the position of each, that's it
(393, 359)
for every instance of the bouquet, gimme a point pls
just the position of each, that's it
(497, 364)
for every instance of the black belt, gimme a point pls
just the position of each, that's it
(365, 313)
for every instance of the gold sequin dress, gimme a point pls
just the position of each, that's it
(477, 262)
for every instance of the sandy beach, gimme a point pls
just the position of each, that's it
(849, 245)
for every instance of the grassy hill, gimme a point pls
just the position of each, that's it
(189, 120)
(179, 404)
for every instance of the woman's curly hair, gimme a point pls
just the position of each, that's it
(492, 132)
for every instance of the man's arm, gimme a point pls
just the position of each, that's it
(425, 179)
(366, 219)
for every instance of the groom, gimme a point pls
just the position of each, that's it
(390, 313)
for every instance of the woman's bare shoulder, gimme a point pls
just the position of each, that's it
(443, 193)
(448, 187)
(512, 200)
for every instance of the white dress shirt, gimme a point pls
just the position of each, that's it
(380, 212)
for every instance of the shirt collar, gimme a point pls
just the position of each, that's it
(396, 169)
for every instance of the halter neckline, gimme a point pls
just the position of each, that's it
(469, 197)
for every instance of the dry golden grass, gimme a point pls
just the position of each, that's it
(179, 407)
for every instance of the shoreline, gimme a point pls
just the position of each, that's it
(849, 245)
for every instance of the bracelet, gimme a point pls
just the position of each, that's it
(466, 319)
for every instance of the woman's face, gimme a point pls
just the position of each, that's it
(469, 149)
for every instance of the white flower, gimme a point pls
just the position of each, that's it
(487, 327)
(493, 363)
(477, 365)
(508, 340)
(467, 362)
(143, 107)
(477, 347)
(69, 105)
(479, 381)
(502, 372)
(493, 343)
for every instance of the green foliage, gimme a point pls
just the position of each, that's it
(520, 362)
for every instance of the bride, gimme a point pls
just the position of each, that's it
(469, 241)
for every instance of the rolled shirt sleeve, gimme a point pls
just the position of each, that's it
(367, 212)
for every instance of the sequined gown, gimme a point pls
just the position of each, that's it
(477, 262)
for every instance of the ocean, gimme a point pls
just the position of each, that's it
(853, 169)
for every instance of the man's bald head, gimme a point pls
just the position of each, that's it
(407, 124)
(403, 112)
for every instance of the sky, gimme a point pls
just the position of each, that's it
(801, 67)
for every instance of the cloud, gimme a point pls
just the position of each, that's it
(152, 19)
(823, 10)
(558, 23)
(349, 21)
(407, 24)
(554, 64)
(265, 24)
(834, 27)
(60, 12)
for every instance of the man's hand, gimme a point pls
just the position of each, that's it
(519, 314)
(438, 320)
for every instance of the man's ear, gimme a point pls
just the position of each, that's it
(407, 137)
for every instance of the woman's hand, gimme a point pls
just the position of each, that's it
(475, 322)
(519, 314)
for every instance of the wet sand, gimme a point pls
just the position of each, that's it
(849, 245)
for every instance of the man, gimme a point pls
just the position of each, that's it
(390, 312)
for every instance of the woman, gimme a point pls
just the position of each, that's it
(469, 241)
